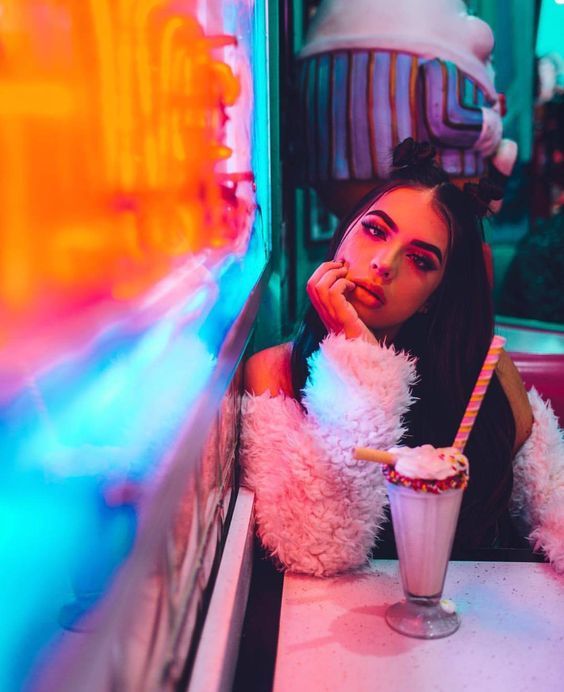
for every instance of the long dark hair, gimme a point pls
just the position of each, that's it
(450, 343)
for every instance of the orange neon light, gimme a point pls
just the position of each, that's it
(112, 116)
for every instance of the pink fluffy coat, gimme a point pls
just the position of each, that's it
(318, 510)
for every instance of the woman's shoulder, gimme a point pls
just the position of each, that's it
(516, 394)
(270, 371)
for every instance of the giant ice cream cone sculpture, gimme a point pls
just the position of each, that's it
(374, 72)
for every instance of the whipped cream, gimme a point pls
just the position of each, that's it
(428, 462)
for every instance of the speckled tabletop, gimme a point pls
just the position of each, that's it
(333, 635)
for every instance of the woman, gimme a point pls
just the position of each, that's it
(399, 324)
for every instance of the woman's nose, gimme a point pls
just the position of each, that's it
(384, 267)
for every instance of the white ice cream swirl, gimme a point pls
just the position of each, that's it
(428, 462)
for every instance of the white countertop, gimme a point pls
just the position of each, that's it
(333, 635)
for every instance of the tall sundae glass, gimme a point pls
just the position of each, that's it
(425, 487)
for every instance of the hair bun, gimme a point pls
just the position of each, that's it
(482, 193)
(411, 154)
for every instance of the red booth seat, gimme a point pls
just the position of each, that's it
(545, 372)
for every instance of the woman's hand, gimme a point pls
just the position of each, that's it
(327, 289)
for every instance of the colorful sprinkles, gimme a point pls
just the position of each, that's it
(459, 479)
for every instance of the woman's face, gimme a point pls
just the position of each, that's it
(396, 255)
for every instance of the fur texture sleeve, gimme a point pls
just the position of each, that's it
(538, 486)
(318, 510)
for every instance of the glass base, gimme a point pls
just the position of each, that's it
(423, 618)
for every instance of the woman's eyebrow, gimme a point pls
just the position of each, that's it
(431, 248)
(393, 226)
(382, 214)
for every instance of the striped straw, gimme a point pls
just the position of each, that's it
(477, 396)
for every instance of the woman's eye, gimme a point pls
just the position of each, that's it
(375, 230)
(422, 262)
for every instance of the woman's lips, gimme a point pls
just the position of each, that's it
(373, 289)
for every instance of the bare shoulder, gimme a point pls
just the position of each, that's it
(269, 370)
(514, 389)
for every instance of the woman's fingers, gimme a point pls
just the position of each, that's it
(318, 288)
(327, 291)
(342, 310)
(326, 283)
(322, 269)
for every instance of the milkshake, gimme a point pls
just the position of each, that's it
(425, 487)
